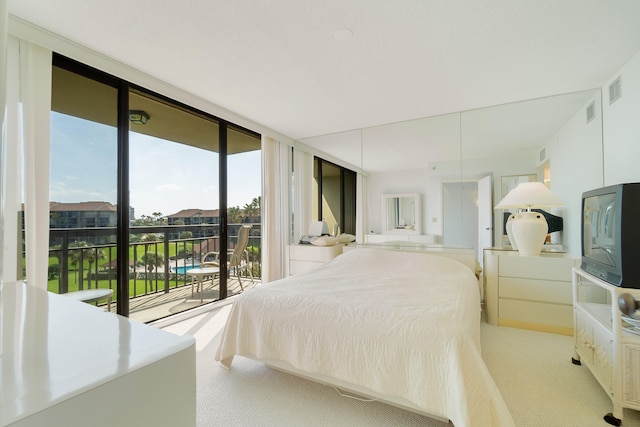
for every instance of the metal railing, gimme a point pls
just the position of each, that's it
(159, 256)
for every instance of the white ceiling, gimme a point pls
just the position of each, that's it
(287, 65)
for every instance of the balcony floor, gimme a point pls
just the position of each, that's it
(158, 305)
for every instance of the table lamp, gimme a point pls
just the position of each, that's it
(529, 229)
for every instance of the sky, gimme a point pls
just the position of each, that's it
(164, 176)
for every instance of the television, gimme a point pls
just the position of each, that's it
(611, 234)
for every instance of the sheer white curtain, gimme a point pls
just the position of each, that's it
(27, 157)
(3, 135)
(276, 208)
(303, 192)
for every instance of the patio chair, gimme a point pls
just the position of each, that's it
(238, 258)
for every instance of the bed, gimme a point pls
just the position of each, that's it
(400, 327)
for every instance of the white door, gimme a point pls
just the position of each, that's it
(485, 216)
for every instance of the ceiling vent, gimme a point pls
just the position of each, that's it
(543, 155)
(591, 112)
(615, 90)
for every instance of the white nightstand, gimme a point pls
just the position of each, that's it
(303, 258)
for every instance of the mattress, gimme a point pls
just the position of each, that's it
(396, 324)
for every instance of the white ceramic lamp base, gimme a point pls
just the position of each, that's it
(529, 230)
(509, 227)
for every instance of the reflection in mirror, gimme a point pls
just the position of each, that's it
(431, 155)
(508, 183)
(401, 213)
(412, 156)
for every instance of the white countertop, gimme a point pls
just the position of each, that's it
(54, 348)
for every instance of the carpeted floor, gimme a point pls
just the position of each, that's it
(533, 371)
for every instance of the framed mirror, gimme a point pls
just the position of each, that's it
(401, 213)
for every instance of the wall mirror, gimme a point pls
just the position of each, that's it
(458, 150)
(401, 213)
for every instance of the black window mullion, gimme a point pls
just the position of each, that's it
(319, 162)
(122, 232)
(224, 232)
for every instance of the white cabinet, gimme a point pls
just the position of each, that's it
(607, 345)
(529, 292)
(67, 363)
(303, 258)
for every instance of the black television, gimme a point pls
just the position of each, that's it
(611, 234)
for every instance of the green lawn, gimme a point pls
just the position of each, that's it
(136, 287)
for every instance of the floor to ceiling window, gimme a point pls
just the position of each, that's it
(83, 182)
(142, 188)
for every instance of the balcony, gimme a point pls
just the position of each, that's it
(159, 256)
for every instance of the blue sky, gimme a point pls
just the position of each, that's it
(164, 176)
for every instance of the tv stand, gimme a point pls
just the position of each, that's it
(607, 345)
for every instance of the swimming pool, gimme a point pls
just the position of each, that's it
(182, 269)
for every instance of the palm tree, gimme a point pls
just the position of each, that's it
(234, 215)
(151, 260)
(252, 209)
(93, 256)
(77, 256)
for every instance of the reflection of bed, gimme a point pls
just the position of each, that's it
(400, 327)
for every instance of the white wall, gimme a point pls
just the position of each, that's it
(576, 156)
(622, 127)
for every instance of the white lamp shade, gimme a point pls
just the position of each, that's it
(529, 195)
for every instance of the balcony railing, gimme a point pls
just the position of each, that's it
(85, 258)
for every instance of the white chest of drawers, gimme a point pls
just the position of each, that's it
(529, 292)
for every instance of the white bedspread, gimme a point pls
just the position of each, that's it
(400, 324)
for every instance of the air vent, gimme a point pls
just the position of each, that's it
(615, 90)
(543, 155)
(591, 112)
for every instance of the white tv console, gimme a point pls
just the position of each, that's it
(607, 345)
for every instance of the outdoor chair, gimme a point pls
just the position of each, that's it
(238, 257)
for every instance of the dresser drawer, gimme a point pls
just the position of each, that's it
(535, 313)
(536, 267)
(536, 290)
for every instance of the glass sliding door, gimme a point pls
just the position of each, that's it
(140, 186)
(174, 206)
(244, 215)
(83, 182)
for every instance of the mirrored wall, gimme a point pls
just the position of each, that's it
(442, 158)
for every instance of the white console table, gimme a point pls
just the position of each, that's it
(66, 363)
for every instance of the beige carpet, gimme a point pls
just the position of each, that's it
(533, 371)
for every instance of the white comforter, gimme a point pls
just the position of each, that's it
(399, 324)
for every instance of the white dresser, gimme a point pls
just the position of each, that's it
(68, 363)
(529, 292)
(303, 258)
